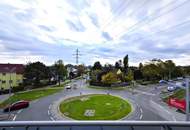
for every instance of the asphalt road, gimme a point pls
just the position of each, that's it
(145, 108)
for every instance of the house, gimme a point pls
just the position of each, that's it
(71, 69)
(11, 75)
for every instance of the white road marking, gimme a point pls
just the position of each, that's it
(162, 108)
(19, 111)
(141, 116)
(146, 93)
(14, 118)
(49, 106)
(48, 113)
(52, 118)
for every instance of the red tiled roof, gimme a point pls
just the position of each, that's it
(6, 68)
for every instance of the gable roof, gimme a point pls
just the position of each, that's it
(17, 68)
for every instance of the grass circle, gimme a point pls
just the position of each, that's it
(95, 107)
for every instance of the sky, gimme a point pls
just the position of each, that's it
(102, 30)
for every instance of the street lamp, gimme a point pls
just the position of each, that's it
(187, 99)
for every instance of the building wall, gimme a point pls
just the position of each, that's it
(6, 77)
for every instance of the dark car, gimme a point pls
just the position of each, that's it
(17, 106)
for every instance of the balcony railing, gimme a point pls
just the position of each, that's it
(93, 125)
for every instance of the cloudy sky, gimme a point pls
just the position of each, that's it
(103, 30)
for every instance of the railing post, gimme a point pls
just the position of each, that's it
(27, 127)
(166, 127)
(70, 128)
(132, 128)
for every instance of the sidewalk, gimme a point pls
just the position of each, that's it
(4, 97)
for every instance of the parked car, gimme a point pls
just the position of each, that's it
(17, 106)
(68, 87)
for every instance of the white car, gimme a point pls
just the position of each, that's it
(171, 88)
(68, 87)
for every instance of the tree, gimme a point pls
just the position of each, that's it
(117, 65)
(125, 63)
(60, 70)
(129, 76)
(150, 71)
(109, 78)
(95, 75)
(140, 66)
(80, 70)
(97, 66)
(107, 68)
(170, 66)
(35, 72)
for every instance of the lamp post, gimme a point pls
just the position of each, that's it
(187, 99)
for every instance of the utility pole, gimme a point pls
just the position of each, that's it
(187, 99)
(77, 54)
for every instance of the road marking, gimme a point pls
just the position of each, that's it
(52, 118)
(19, 111)
(141, 116)
(146, 93)
(49, 106)
(14, 118)
(48, 113)
(162, 108)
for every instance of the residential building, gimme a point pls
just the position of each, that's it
(11, 75)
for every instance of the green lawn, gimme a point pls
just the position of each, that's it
(106, 107)
(30, 95)
(113, 88)
(179, 94)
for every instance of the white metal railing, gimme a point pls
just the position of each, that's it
(94, 125)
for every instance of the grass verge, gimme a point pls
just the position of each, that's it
(105, 107)
(179, 94)
(113, 88)
(30, 95)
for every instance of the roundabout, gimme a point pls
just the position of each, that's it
(95, 107)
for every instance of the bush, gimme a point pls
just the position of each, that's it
(109, 78)
(100, 84)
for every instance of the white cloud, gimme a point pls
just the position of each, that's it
(43, 28)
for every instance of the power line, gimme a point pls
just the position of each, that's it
(119, 9)
(77, 55)
(145, 20)
(161, 31)
(135, 10)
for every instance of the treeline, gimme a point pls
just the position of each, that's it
(108, 74)
(157, 69)
(38, 74)
(153, 70)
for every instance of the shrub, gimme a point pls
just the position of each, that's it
(109, 78)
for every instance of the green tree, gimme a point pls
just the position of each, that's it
(35, 72)
(125, 63)
(97, 66)
(140, 66)
(117, 66)
(109, 78)
(129, 76)
(60, 70)
(170, 67)
(80, 70)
